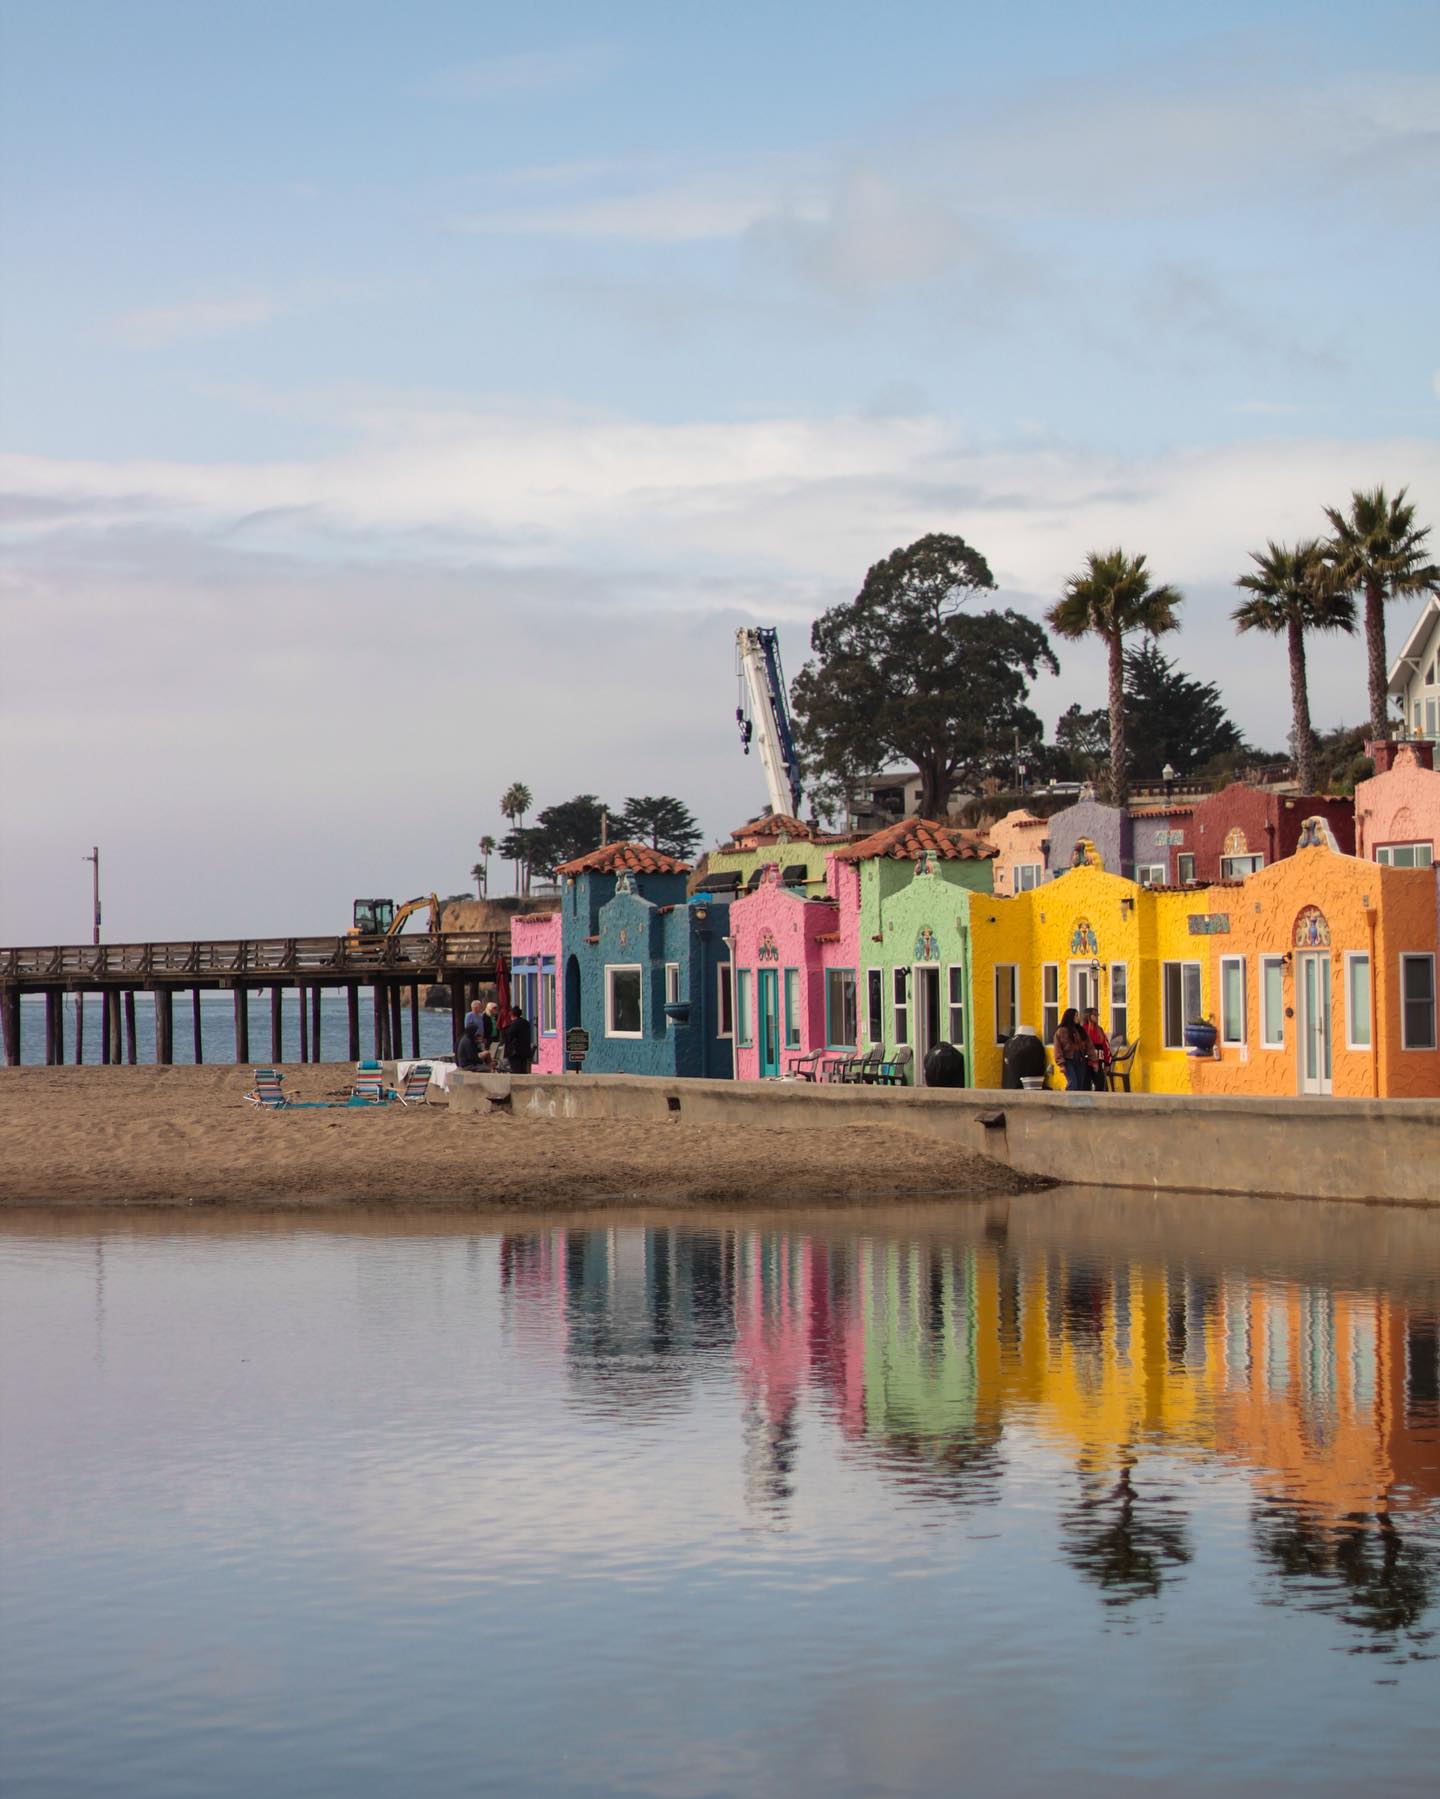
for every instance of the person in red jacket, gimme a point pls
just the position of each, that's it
(1101, 1055)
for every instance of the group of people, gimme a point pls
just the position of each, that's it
(1082, 1051)
(485, 1044)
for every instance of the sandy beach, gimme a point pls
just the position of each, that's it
(187, 1137)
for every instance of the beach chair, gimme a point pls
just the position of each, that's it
(414, 1090)
(836, 1069)
(1117, 1075)
(892, 1073)
(805, 1064)
(269, 1092)
(866, 1068)
(369, 1087)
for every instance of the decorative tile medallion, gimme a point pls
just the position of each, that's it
(1235, 844)
(924, 863)
(769, 950)
(1083, 941)
(1312, 929)
(926, 947)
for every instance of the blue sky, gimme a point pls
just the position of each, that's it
(458, 378)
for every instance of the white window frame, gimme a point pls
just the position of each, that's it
(1385, 855)
(1184, 967)
(1352, 1011)
(790, 991)
(955, 978)
(1272, 1030)
(1230, 870)
(1185, 868)
(1012, 971)
(837, 976)
(724, 1001)
(549, 1003)
(900, 1004)
(875, 1005)
(672, 983)
(611, 970)
(1025, 877)
(744, 1009)
(1152, 874)
(1049, 1001)
(1120, 986)
(1426, 956)
(1234, 1032)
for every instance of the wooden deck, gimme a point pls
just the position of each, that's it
(396, 967)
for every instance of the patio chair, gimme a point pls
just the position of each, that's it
(866, 1070)
(414, 1090)
(892, 1073)
(1117, 1075)
(836, 1069)
(269, 1092)
(805, 1064)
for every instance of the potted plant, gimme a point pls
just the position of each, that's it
(1200, 1035)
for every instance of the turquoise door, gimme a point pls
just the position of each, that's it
(769, 1009)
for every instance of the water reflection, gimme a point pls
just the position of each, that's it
(938, 1359)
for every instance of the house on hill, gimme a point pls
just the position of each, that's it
(1397, 811)
(1414, 683)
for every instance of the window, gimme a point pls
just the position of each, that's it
(1184, 869)
(622, 1000)
(1272, 1002)
(724, 1001)
(1049, 1000)
(548, 1022)
(1180, 983)
(744, 1017)
(1232, 999)
(1026, 876)
(672, 983)
(1417, 1000)
(1007, 1001)
(1119, 1002)
(1235, 868)
(900, 992)
(1151, 874)
(840, 1020)
(956, 978)
(792, 1008)
(1357, 1001)
(1405, 855)
(874, 1005)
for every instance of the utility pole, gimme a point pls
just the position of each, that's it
(94, 857)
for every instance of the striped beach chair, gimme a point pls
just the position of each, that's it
(369, 1088)
(269, 1092)
(414, 1090)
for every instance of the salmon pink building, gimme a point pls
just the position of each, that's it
(1397, 812)
(534, 984)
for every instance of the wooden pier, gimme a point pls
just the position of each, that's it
(397, 968)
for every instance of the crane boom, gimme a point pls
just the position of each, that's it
(767, 716)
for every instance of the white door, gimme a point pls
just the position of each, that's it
(1312, 1006)
(925, 985)
(1083, 987)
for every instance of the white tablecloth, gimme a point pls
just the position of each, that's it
(440, 1072)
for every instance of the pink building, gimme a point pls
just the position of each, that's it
(1021, 840)
(535, 985)
(1397, 811)
(795, 964)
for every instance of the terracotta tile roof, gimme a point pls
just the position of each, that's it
(1161, 811)
(773, 824)
(612, 857)
(907, 839)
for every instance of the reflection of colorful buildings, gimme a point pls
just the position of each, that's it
(926, 1355)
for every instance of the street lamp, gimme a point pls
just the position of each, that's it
(94, 857)
(1167, 775)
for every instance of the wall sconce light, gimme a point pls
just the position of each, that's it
(1288, 957)
(702, 913)
(1127, 904)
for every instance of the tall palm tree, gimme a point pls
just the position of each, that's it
(515, 802)
(481, 871)
(1376, 550)
(1109, 598)
(1290, 592)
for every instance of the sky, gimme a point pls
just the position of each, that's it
(397, 402)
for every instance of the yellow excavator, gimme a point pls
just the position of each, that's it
(383, 918)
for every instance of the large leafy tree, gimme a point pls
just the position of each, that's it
(515, 802)
(1289, 590)
(661, 821)
(1170, 717)
(1083, 740)
(904, 673)
(1376, 550)
(1112, 597)
(560, 833)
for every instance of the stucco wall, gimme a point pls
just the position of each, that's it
(1269, 824)
(897, 904)
(745, 862)
(794, 923)
(1400, 806)
(1150, 843)
(531, 938)
(1107, 827)
(1018, 837)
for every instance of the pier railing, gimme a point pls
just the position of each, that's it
(415, 952)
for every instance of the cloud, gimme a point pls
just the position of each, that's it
(699, 208)
(523, 73)
(1264, 408)
(153, 327)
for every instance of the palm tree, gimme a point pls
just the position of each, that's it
(1377, 551)
(481, 870)
(1111, 596)
(515, 802)
(1289, 591)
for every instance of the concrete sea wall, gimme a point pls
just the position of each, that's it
(1383, 1150)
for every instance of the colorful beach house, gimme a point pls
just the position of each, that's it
(1397, 811)
(1021, 841)
(1322, 968)
(798, 850)
(535, 960)
(1241, 829)
(646, 969)
(785, 945)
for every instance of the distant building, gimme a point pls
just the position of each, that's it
(1397, 811)
(1415, 676)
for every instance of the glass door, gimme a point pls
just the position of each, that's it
(769, 1023)
(1312, 995)
(927, 1010)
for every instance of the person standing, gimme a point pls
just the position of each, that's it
(1100, 1050)
(518, 1043)
(1072, 1052)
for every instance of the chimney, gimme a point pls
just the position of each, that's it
(1382, 753)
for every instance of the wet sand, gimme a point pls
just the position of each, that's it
(187, 1137)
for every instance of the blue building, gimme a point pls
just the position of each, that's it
(647, 971)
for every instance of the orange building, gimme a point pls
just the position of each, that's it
(1322, 969)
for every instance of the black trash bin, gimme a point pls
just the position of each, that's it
(944, 1066)
(1023, 1055)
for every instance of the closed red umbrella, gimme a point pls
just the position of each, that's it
(502, 990)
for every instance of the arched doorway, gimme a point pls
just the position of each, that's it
(572, 994)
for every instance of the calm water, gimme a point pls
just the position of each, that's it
(217, 1028)
(1062, 1495)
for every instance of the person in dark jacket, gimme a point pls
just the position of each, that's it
(518, 1043)
(1072, 1052)
(467, 1050)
